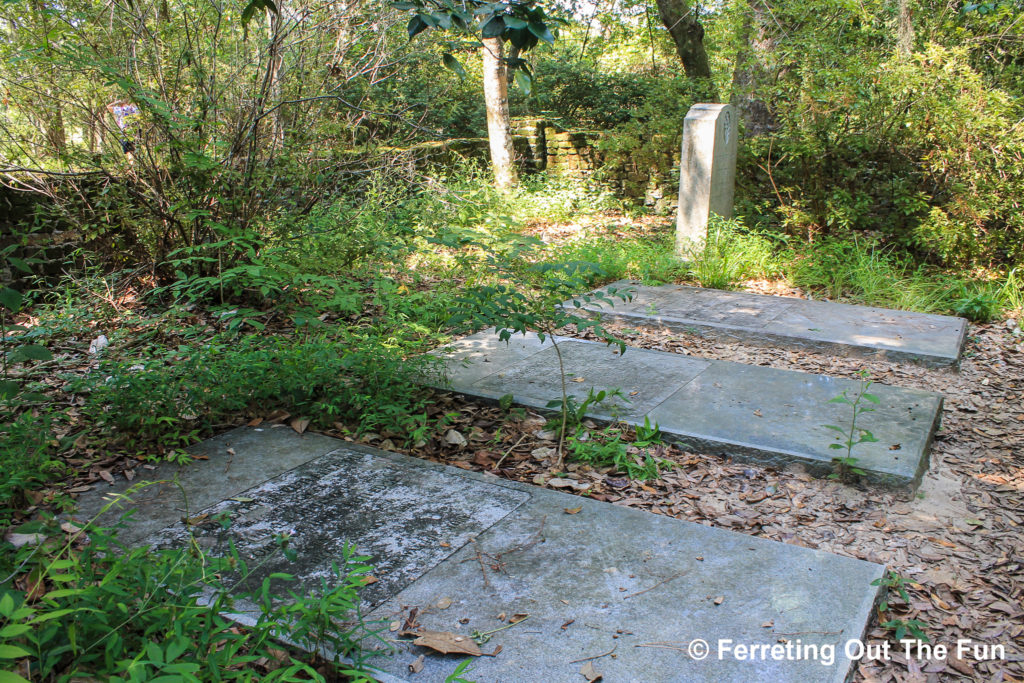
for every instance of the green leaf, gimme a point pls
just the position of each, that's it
(872, 398)
(515, 22)
(8, 388)
(494, 27)
(13, 652)
(20, 264)
(541, 31)
(10, 299)
(14, 630)
(31, 352)
(405, 5)
(523, 80)
(11, 677)
(416, 26)
(453, 64)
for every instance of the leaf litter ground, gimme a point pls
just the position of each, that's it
(959, 539)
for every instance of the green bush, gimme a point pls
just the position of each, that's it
(731, 253)
(173, 396)
(27, 460)
(98, 609)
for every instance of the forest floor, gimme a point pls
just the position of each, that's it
(958, 541)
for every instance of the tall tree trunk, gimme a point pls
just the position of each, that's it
(904, 29)
(499, 131)
(687, 34)
(753, 71)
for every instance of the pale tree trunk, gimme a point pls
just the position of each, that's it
(688, 35)
(753, 71)
(499, 131)
(904, 30)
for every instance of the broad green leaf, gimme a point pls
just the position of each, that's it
(20, 264)
(416, 26)
(31, 352)
(493, 28)
(13, 652)
(11, 677)
(515, 22)
(8, 388)
(524, 82)
(872, 398)
(453, 64)
(10, 299)
(541, 31)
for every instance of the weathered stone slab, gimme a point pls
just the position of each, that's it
(406, 520)
(242, 459)
(751, 413)
(932, 340)
(605, 580)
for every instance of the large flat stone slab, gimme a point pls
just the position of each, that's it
(606, 580)
(931, 340)
(241, 459)
(752, 413)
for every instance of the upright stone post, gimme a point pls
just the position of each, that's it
(707, 172)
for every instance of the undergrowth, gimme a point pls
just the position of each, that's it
(77, 603)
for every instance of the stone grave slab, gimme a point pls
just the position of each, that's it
(751, 413)
(603, 580)
(931, 340)
(241, 458)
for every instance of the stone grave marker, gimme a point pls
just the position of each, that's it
(707, 172)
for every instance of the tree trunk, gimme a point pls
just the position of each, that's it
(904, 30)
(499, 131)
(752, 71)
(687, 34)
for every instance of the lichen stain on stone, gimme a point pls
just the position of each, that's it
(397, 516)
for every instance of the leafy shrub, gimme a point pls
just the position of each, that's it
(174, 395)
(99, 609)
(27, 460)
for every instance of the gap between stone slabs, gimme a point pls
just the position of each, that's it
(751, 413)
(824, 326)
(593, 577)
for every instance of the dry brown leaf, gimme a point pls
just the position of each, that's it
(590, 673)
(447, 642)
(106, 475)
(573, 511)
(517, 617)
(299, 424)
(444, 603)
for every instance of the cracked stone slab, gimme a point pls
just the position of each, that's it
(752, 413)
(242, 458)
(927, 339)
(406, 520)
(605, 579)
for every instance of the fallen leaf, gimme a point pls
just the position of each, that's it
(719, 600)
(369, 579)
(69, 528)
(454, 438)
(590, 673)
(573, 511)
(299, 424)
(444, 603)
(255, 422)
(79, 489)
(517, 617)
(447, 642)
(106, 476)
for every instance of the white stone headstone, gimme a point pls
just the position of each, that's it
(707, 172)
